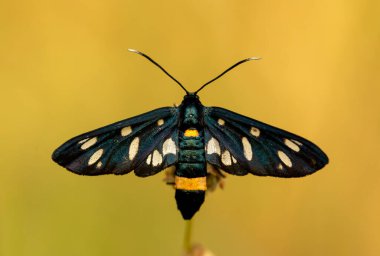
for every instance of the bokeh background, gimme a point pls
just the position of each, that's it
(65, 70)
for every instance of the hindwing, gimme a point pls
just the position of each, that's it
(146, 144)
(241, 145)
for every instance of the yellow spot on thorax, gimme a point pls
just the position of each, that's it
(190, 183)
(191, 133)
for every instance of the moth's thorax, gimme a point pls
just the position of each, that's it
(190, 116)
(191, 111)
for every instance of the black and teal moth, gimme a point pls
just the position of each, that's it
(192, 138)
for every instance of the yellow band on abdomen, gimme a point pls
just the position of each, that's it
(190, 183)
(191, 133)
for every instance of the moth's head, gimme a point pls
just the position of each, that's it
(190, 99)
(191, 96)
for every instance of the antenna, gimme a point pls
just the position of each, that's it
(228, 69)
(158, 65)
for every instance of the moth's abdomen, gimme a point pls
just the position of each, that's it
(190, 180)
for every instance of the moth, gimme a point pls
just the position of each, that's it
(192, 138)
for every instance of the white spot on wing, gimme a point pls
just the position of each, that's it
(160, 122)
(233, 159)
(221, 121)
(284, 158)
(226, 158)
(255, 132)
(149, 159)
(99, 164)
(82, 141)
(133, 148)
(292, 145)
(169, 147)
(247, 148)
(280, 167)
(157, 158)
(213, 146)
(297, 142)
(95, 157)
(126, 131)
(89, 143)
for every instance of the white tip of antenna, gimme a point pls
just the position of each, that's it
(133, 50)
(254, 58)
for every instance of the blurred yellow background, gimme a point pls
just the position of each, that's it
(65, 70)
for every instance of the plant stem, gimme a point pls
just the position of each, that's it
(187, 238)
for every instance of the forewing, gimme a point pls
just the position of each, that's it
(241, 145)
(124, 146)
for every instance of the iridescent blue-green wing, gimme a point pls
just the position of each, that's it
(146, 144)
(240, 145)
